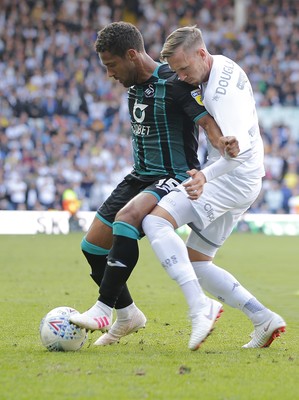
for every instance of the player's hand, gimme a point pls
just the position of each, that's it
(194, 186)
(228, 145)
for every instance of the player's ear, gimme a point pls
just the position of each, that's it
(131, 54)
(201, 53)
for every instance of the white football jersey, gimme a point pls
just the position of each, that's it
(228, 97)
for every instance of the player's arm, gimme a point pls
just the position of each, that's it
(226, 145)
(235, 114)
(194, 186)
(194, 109)
(223, 165)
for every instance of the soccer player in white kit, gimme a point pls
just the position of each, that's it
(228, 188)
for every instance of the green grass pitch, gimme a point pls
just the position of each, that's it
(41, 272)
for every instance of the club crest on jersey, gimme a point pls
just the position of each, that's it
(196, 94)
(149, 91)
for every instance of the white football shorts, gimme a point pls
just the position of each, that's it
(214, 215)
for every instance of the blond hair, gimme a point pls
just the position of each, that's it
(186, 37)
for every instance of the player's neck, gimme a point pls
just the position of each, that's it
(146, 68)
(210, 61)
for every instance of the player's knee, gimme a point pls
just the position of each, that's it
(155, 227)
(131, 215)
(99, 234)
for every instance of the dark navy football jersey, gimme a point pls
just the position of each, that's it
(163, 113)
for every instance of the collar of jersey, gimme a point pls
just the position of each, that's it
(155, 73)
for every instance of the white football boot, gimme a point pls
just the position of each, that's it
(203, 323)
(264, 333)
(97, 318)
(123, 326)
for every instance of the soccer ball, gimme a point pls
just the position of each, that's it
(57, 333)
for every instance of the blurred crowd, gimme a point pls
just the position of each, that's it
(64, 125)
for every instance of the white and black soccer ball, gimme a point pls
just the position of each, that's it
(57, 333)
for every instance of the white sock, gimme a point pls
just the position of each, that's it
(224, 286)
(194, 295)
(172, 253)
(124, 313)
(99, 309)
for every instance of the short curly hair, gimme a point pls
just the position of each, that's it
(118, 38)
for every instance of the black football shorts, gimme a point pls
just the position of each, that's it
(132, 185)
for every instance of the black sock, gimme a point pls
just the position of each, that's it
(98, 264)
(125, 252)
